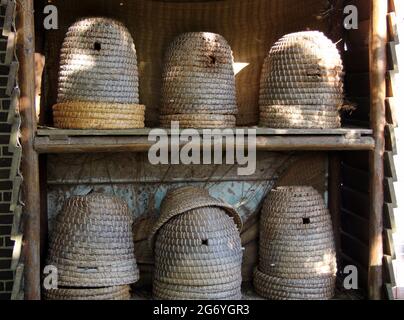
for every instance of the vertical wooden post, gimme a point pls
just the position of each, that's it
(378, 69)
(334, 195)
(29, 162)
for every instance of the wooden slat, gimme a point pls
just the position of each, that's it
(18, 283)
(355, 248)
(391, 85)
(392, 27)
(389, 166)
(392, 61)
(391, 142)
(142, 144)
(389, 220)
(388, 291)
(388, 245)
(391, 112)
(355, 179)
(148, 131)
(392, 6)
(9, 18)
(389, 192)
(358, 160)
(355, 225)
(355, 202)
(334, 197)
(388, 269)
(12, 77)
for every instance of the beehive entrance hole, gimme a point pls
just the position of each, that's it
(88, 269)
(97, 46)
(205, 242)
(306, 220)
(212, 59)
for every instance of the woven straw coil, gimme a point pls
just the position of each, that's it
(106, 293)
(296, 246)
(197, 247)
(98, 78)
(302, 69)
(92, 243)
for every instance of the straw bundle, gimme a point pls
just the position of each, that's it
(98, 78)
(302, 83)
(198, 82)
(92, 244)
(296, 250)
(197, 247)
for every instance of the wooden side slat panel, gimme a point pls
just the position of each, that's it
(389, 192)
(355, 179)
(388, 217)
(389, 166)
(391, 142)
(355, 248)
(388, 245)
(392, 27)
(353, 224)
(358, 160)
(392, 56)
(391, 112)
(355, 202)
(388, 270)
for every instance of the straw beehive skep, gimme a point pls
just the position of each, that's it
(198, 79)
(197, 248)
(98, 78)
(92, 243)
(296, 249)
(302, 73)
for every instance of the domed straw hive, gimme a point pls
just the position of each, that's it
(197, 247)
(296, 250)
(92, 247)
(98, 78)
(302, 83)
(199, 89)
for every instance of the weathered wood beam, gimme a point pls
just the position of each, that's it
(105, 144)
(378, 69)
(29, 163)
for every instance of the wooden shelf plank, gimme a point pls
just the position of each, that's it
(146, 131)
(84, 144)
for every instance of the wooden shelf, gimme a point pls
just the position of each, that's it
(50, 140)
